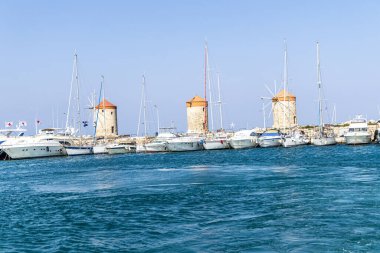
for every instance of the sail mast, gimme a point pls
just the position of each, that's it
(70, 96)
(144, 96)
(220, 103)
(104, 111)
(209, 89)
(97, 111)
(78, 99)
(205, 92)
(319, 83)
(285, 82)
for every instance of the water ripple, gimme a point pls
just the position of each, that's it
(307, 199)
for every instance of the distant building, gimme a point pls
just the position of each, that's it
(197, 115)
(106, 115)
(284, 110)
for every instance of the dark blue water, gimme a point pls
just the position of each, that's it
(308, 199)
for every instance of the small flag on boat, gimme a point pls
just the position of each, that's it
(38, 121)
(85, 123)
(8, 124)
(22, 123)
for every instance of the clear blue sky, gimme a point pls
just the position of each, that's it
(164, 39)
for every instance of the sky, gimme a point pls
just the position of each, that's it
(164, 40)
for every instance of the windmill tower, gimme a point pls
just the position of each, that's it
(106, 124)
(197, 115)
(284, 110)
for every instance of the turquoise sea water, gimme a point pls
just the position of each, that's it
(307, 199)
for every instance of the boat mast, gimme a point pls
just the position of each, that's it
(78, 101)
(144, 97)
(142, 108)
(209, 89)
(205, 92)
(158, 119)
(97, 111)
(104, 111)
(285, 82)
(220, 102)
(70, 96)
(319, 83)
(264, 116)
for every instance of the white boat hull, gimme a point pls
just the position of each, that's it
(141, 148)
(324, 141)
(293, 142)
(100, 150)
(156, 147)
(358, 139)
(79, 150)
(184, 146)
(215, 144)
(117, 150)
(121, 149)
(270, 142)
(33, 151)
(243, 143)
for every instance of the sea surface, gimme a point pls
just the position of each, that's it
(304, 199)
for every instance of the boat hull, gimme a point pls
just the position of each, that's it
(184, 146)
(270, 142)
(293, 142)
(358, 139)
(243, 143)
(117, 150)
(121, 149)
(98, 150)
(215, 144)
(324, 141)
(27, 152)
(79, 150)
(156, 147)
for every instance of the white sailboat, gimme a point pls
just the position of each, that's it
(142, 141)
(218, 140)
(323, 137)
(296, 138)
(100, 147)
(78, 149)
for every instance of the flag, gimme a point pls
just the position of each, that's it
(22, 123)
(8, 124)
(38, 121)
(85, 123)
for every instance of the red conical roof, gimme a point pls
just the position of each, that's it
(107, 105)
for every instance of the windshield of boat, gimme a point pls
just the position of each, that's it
(363, 129)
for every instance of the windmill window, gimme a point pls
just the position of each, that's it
(111, 113)
(112, 129)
